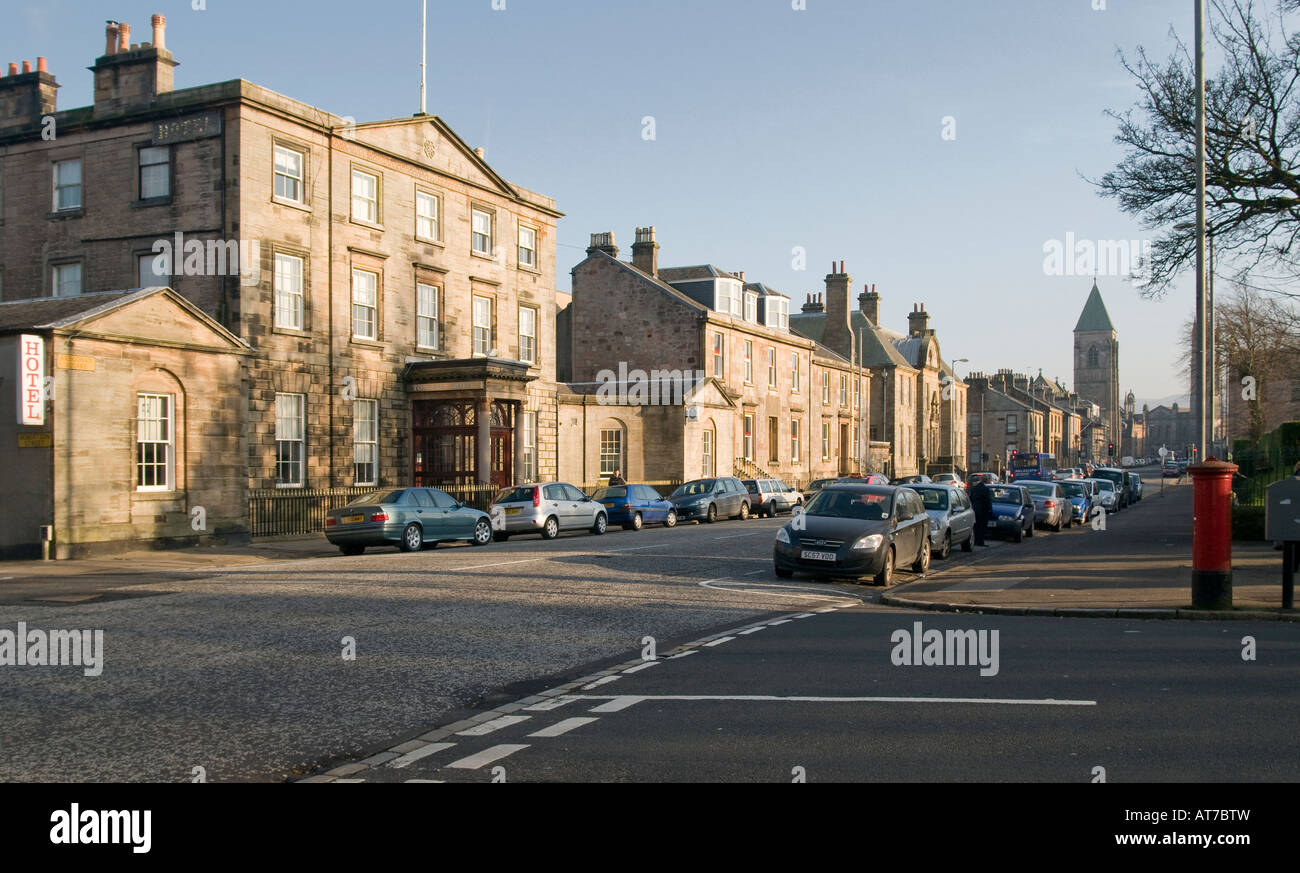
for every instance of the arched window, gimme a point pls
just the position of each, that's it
(1094, 358)
(613, 442)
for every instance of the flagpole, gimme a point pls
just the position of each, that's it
(424, 45)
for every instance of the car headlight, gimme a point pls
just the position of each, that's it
(782, 536)
(869, 543)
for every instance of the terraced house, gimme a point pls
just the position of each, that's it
(396, 295)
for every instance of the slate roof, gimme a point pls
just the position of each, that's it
(52, 312)
(1094, 315)
(686, 274)
(878, 346)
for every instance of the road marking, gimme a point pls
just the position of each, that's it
(599, 682)
(431, 781)
(718, 642)
(485, 757)
(553, 703)
(633, 549)
(816, 593)
(617, 704)
(411, 757)
(495, 724)
(782, 621)
(803, 615)
(752, 630)
(563, 727)
(773, 698)
(498, 564)
(681, 654)
(639, 667)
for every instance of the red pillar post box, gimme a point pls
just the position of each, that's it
(1212, 534)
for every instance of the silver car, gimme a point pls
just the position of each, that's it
(1052, 509)
(545, 508)
(952, 519)
(1106, 495)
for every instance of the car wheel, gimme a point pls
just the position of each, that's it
(886, 574)
(922, 562)
(744, 511)
(1056, 528)
(412, 538)
(671, 520)
(783, 573)
(771, 510)
(601, 524)
(1030, 532)
(352, 551)
(713, 514)
(946, 551)
(551, 529)
(968, 544)
(500, 536)
(1020, 535)
(637, 522)
(482, 532)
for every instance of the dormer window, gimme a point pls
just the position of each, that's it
(728, 297)
(778, 312)
(751, 307)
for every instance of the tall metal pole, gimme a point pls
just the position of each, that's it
(424, 46)
(1200, 357)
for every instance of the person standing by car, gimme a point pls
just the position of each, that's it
(617, 479)
(982, 502)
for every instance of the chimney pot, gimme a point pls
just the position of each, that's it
(13, 69)
(123, 37)
(110, 37)
(159, 27)
(40, 65)
(27, 66)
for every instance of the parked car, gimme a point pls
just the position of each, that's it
(707, 500)
(817, 485)
(1013, 511)
(634, 506)
(1170, 470)
(1135, 486)
(1120, 478)
(918, 479)
(1107, 495)
(856, 530)
(865, 479)
(1051, 508)
(545, 508)
(770, 496)
(409, 518)
(948, 479)
(952, 520)
(1079, 493)
(990, 478)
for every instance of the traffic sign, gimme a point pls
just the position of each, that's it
(1163, 451)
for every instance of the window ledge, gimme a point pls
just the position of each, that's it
(536, 271)
(430, 242)
(79, 212)
(152, 201)
(292, 331)
(291, 204)
(361, 222)
(367, 343)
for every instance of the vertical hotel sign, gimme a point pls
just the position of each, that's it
(31, 380)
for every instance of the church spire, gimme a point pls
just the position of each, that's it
(1094, 316)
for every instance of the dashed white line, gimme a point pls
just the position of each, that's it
(639, 667)
(411, 757)
(752, 630)
(803, 615)
(487, 756)
(553, 703)
(599, 682)
(634, 549)
(681, 654)
(497, 564)
(779, 621)
(492, 726)
(616, 704)
(718, 642)
(563, 727)
(772, 698)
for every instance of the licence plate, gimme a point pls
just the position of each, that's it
(993, 524)
(353, 519)
(514, 511)
(609, 506)
(817, 556)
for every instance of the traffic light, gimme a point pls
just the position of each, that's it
(1112, 450)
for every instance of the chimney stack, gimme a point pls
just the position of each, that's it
(814, 304)
(918, 323)
(27, 97)
(869, 304)
(645, 251)
(603, 242)
(838, 334)
(110, 37)
(131, 77)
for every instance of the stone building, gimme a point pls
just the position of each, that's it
(756, 398)
(1096, 362)
(133, 427)
(397, 294)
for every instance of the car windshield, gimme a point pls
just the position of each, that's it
(1005, 495)
(1105, 485)
(933, 498)
(699, 486)
(610, 493)
(750, 484)
(849, 504)
(1074, 489)
(372, 497)
(1042, 489)
(515, 495)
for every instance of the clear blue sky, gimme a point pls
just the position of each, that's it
(775, 128)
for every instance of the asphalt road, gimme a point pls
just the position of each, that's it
(819, 698)
(243, 673)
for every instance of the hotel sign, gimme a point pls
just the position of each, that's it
(186, 129)
(31, 380)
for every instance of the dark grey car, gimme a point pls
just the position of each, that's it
(707, 500)
(409, 518)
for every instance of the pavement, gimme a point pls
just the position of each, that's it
(1140, 566)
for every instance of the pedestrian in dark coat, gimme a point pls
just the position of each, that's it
(981, 500)
(617, 478)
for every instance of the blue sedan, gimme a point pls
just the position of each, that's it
(1013, 511)
(635, 506)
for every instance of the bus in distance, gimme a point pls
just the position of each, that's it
(1032, 465)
